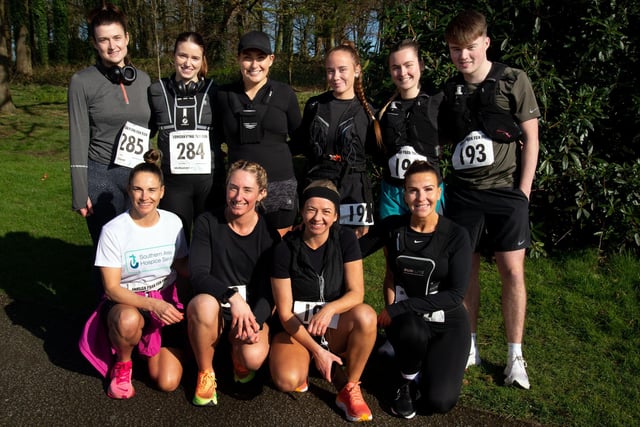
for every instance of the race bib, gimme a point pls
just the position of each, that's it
(356, 214)
(242, 290)
(400, 162)
(474, 151)
(133, 143)
(190, 152)
(305, 310)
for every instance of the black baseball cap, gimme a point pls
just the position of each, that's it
(255, 40)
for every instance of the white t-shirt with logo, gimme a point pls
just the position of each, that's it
(144, 254)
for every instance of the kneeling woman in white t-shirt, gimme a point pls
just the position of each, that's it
(140, 254)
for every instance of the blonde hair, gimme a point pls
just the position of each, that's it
(251, 167)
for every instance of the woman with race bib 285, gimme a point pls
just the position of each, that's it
(108, 122)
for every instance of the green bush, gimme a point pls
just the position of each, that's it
(582, 59)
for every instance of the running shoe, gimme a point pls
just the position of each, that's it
(241, 374)
(206, 393)
(406, 395)
(120, 386)
(302, 388)
(516, 373)
(474, 357)
(350, 400)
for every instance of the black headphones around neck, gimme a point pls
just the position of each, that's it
(182, 90)
(117, 75)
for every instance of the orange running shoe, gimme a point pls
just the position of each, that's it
(241, 374)
(350, 400)
(206, 393)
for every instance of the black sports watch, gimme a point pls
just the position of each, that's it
(231, 291)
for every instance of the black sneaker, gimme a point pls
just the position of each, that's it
(403, 403)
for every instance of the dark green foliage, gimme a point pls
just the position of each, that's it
(60, 31)
(38, 12)
(582, 59)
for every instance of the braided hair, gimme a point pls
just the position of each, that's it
(358, 87)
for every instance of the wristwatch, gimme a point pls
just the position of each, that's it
(231, 291)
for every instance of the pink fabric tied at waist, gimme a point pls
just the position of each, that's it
(94, 342)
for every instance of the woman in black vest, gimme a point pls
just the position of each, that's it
(256, 116)
(182, 110)
(409, 123)
(318, 288)
(338, 128)
(428, 268)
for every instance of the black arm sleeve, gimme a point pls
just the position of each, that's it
(201, 258)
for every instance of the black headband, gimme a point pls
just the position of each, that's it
(323, 192)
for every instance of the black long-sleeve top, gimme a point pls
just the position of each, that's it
(219, 258)
(433, 268)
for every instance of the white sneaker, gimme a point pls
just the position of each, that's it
(474, 357)
(516, 373)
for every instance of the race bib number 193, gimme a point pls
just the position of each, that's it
(474, 151)
(133, 143)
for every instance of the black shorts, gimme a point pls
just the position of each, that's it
(500, 215)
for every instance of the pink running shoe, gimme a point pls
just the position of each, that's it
(120, 386)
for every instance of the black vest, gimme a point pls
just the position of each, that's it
(465, 112)
(306, 284)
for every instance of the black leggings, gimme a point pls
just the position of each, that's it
(438, 350)
(186, 196)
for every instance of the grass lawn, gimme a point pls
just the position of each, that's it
(582, 332)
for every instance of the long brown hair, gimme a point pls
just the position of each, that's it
(404, 44)
(193, 37)
(358, 87)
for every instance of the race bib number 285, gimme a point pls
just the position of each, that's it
(133, 143)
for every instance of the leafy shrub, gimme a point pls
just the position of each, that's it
(581, 57)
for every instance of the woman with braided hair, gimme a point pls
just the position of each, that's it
(339, 125)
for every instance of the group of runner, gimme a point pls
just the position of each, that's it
(274, 265)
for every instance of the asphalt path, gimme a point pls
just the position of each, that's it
(44, 381)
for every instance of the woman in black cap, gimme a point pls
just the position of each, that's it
(257, 116)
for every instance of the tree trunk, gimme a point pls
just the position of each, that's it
(23, 53)
(6, 104)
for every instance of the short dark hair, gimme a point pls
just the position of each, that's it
(466, 27)
(105, 15)
(420, 166)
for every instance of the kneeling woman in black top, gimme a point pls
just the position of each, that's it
(428, 267)
(318, 288)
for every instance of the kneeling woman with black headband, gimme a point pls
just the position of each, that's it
(318, 288)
